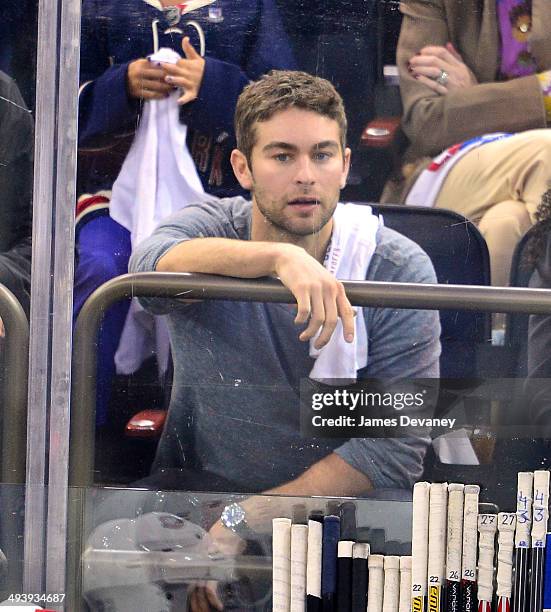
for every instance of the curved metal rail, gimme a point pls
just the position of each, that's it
(16, 368)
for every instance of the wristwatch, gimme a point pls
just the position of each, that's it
(233, 517)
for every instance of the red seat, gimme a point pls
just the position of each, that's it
(381, 132)
(147, 424)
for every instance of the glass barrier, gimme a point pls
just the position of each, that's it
(19, 135)
(134, 548)
(482, 411)
(17, 129)
(14, 381)
(169, 550)
(150, 549)
(18, 43)
(120, 398)
(123, 80)
(12, 498)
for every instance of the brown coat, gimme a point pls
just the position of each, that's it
(433, 122)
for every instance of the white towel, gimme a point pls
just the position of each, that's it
(158, 178)
(352, 246)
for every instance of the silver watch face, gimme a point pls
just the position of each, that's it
(233, 515)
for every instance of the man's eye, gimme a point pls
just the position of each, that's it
(282, 157)
(322, 156)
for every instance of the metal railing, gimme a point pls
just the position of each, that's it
(14, 425)
(200, 286)
(16, 368)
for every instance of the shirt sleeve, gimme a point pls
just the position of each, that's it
(105, 108)
(212, 218)
(267, 47)
(207, 113)
(403, 344)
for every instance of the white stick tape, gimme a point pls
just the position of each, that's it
(437, 533)
(524, 509)
(313, 565)
(345, 548)
(360, 551)
(375, 587)
(487, 527)
(299, 547)
(420, 539)
(540, 508)
(455, 531)
(470, 534)
(391, 593)
(506, 522)
(281, 543)
(405, 585)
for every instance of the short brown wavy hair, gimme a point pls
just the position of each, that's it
(279, 90)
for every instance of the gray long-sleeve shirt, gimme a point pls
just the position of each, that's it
(238, 366)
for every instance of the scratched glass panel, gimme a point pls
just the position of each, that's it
(18, 32)
(232, 379)
(124, 88)
(153, 550)
(18, 43)
(217, 395)
(352, 44)
(243, 401)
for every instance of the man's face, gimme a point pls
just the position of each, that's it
(297, 170)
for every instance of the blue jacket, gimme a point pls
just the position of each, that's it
(247, 42)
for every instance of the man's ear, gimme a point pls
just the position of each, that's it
(241, 169)
(346, 167)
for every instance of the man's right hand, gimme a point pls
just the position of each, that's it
(320, 296)
(145, 80)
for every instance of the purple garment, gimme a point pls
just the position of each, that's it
(103, 251)
(515, 22)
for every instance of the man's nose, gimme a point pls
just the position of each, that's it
(305, 172)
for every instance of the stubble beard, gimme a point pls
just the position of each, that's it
(272, 211)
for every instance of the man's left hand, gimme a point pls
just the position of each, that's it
(187, 73)
(224, 540)
(442, 69)
(204, 595)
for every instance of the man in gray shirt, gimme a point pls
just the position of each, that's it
(238, 365)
